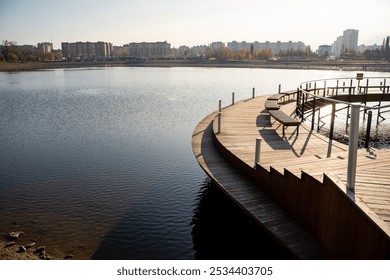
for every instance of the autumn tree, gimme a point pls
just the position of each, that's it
(9, 51)
(263, 54)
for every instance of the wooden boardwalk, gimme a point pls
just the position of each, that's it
(310, 152)
(250, 197)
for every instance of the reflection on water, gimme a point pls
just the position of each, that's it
(221, 230)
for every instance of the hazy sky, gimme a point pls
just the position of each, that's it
(192, 22)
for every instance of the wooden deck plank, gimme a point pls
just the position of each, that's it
(308, 152)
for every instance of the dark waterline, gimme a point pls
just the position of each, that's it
(98, 163)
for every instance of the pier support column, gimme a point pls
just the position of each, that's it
(353, 146)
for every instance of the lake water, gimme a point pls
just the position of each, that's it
(98, 162)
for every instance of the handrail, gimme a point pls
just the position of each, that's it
(333, 100)
(335, 79)
(306, 96)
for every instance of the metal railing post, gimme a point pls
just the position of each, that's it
(297, 107)
(313, 113)
(303, 104)
(324, 88)
(331, 130)
(368, 130)
(353, 146)
(257, 151)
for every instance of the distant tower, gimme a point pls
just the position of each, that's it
(350, 40)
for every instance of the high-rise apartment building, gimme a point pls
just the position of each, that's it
(81, 50)
(214, 46)
(275, 47)
(45, 47)
(350, 40)
(148, 50)
(348, 43)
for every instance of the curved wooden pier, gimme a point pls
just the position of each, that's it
(297, 191)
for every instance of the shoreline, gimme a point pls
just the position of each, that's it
(375, 66)
(9, 252)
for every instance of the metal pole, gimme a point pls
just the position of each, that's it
(219, 116)
(324, 88)
(232, 98)
(313, 113)
(319, 119)
(368, 130)
(331, 130)
(297, 107)
(350, 87)
(219, 122)
(253, 92)
(303, 105)
(280, 88)
(257, 151)
(353, 146)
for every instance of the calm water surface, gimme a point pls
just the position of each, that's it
(98, 162)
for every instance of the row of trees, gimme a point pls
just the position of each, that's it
(379, 54)
(11, 53)
(251, 54)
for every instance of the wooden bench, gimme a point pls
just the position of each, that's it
(289, 94)
(275, 96)
(271, 105)
(284, 119)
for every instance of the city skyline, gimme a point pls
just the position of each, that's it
(190, 23)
